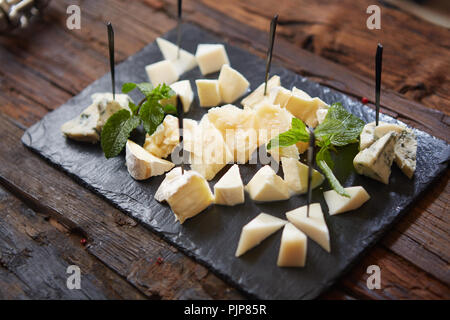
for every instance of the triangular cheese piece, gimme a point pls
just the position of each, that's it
(296, 176)
(229, 190)
(339, 204)
(254, 232)
(266, 185)
(142, 165)
(293, 247)
(184, 62)
(314, 226)
(258, 94)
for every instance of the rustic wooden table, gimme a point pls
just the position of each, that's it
(44, 214)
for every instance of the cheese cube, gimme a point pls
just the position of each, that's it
(405, 151)
(232, 84)
(286, 152)
(296, 176)
(314, 226)
(162, 72)
(210, 153)
(305, 109)
(238, 129)
(167, 185)
(339, 204)
(266, 185)
(270, 121)
(254, 232)
(165, 138)
(184, 90)
(182, 60)
(142, 165)
(300, 93)
(280, 96)
(293, 247)
(229, 190)
(258, 94)
(187, 194)
(208, 92)
(88, 125)
(211, 57)
(375, 162)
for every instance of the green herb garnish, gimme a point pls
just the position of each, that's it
(149, 112)
(339, 128)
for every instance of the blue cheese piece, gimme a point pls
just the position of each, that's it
(405, 152)
(88, 125)
(375, 162)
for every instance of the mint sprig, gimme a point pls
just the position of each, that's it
(338, 129)
(149, 112)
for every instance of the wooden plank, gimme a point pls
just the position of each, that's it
(34, 256)
(114, 239)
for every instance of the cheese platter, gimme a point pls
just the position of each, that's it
(328, 243)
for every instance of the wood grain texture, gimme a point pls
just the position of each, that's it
(318, 41)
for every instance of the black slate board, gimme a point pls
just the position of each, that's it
(212, 236)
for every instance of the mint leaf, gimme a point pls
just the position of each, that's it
(297, 133)
(151, 115)
(146, 88)
(128, 86)
(134, 108)
(170, 108)
(326, 164)
(116, 131)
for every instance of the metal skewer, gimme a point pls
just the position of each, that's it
(378, 61)
(111, 57)
(311, 157)
(179, 27)
(180, 113)
(273, 28)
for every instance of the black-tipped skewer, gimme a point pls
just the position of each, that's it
(179, 27)
(180, 113)
(378, 61)
(311, 157)
(273, 28)
(111, 57)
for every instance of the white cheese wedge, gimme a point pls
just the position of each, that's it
(296, 176)
(142, 165)
(232, 84)
(254, 232)
(187, 194)
(211, 57)
(257, 95)
(293, 247)
(162, 72)
(280, 96)
(165, 138)
(182, 60)
(88, 125)
(208, 92)
(367, 136)
(405, 151)
(266, 185)
(270, 121)
(210, 152)
(339, 204)
(168, 184)
(184, 90)
(286, 152)
(314, 226)
(238, 129)
(375, 162)
(229, 190)
(380, 130)
(305, 109)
